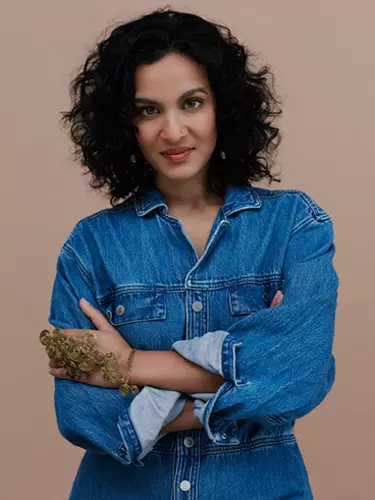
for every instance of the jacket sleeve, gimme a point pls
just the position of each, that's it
(94, 418)
(278, 362)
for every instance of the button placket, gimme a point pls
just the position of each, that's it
(197, 313)
(187, 466)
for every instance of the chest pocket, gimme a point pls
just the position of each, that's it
(131, 307)
(251, 297)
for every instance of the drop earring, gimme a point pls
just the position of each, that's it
(223, 155)
(133, 159)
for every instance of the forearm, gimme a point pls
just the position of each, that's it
(169, 370)
(184, 421)
(93, 427)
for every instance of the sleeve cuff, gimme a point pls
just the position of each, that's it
(218, 430)
(229, 360)
(149, 412)
(205, 351)
(131, 447)
(215, 352)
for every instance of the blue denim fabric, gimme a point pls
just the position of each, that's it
(278, 362)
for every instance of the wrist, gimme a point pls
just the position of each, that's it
(186, 420)
(138, 373)
(123, 361)
(125, 366)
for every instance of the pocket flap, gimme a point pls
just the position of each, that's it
(129, 307)
(251, 297)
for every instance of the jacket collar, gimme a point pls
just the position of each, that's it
(237, 198)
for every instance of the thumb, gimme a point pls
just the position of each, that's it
(95, 315)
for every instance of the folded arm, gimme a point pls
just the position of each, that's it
(277, 364)
(101, 419)
(96, 418)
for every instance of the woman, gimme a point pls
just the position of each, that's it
(218, 297)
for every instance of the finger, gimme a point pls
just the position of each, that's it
(277, 299)
(95, 315)
(77, 334)
(58, 372)
(54, 364)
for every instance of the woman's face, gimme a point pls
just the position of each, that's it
(175, 117)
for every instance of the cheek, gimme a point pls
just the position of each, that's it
(207, 124)
(145, 136)
(208, 129)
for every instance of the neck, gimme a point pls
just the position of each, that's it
(188, 196)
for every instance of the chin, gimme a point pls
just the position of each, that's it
(180, 172)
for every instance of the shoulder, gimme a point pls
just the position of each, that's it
(96, 228)
(296, 203)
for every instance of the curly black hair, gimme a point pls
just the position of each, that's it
(101, 120)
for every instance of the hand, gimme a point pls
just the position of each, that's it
(108, 340)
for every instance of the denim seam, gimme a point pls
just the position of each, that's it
(229, 363)
(208, 409)
(276, 193)
(316, 212)
(196, 284)
(137, 288)
(114, 210)
(250, 446)
(225, 283)
(304, 223)
(231, 448)
(129, 436)
(68, 250)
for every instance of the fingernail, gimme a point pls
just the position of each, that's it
(85, 301)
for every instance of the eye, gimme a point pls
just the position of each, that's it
(146, 111)
(193, 103)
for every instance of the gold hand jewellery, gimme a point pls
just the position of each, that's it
(80, 357)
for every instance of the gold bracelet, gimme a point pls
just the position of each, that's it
(125, 387)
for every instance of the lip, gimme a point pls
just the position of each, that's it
(175, 151)
(179, 157)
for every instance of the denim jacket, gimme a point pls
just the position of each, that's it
(135, 263)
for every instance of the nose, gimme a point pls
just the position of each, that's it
(172, 129)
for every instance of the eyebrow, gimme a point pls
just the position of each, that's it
(186, 94)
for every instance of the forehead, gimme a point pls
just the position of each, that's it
(169, 77)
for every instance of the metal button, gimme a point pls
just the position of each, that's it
(197, 306)
(120, 309)
(188, 442)
(224, 435)
(185, 485)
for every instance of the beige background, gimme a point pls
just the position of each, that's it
(322, 52)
